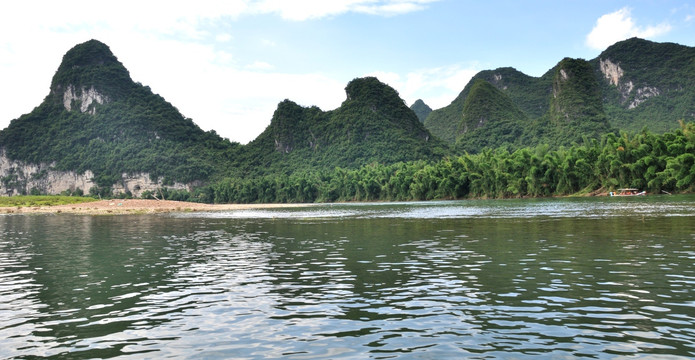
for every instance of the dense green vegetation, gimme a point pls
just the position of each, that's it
(529, 94)
(117, 139)
(655, 89)
(505, 108)
(643, 160)
(649, 68)
(42, 200)
(576, 109)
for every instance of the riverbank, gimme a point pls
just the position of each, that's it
(135, 206)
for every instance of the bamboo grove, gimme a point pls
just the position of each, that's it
(644, 160)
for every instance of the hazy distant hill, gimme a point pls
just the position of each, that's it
(421, 109)
(373, 125)
(632, 84)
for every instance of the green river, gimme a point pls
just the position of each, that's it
(597, 278)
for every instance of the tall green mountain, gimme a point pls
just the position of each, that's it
(421, 109)
(97, 119)
(648, 84)
(372, 125)
(632, 84)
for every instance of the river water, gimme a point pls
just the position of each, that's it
(551, 278)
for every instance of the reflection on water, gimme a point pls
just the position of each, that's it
(595, 278)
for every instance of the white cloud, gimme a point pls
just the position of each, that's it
(392, 7)
(260, 65)
(437, 87)
(223, 38)
(300, 10)
(268, 43)
(619, 25)
(237, 103)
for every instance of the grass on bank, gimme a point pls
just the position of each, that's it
(42, 200)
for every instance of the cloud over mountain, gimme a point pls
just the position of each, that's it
(619, 25)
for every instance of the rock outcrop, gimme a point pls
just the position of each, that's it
(84, 98)
(614, 74)
(611, 71)
(19, 177)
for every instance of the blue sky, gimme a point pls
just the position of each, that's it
(227, 64)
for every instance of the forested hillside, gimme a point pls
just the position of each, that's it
(576, 109)
(648, 84)
(529, 94)
(373, 125)
(96, 118)
(489, 119)
(653, 162)
(632, 84)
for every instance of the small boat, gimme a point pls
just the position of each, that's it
(628, 192)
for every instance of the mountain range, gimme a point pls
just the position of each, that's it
(100, 132)
(631, 85)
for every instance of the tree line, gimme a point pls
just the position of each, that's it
(653, 162)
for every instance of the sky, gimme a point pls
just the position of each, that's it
(227, 64)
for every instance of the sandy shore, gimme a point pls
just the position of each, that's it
(136, 206)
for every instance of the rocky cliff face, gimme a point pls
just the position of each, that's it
(611, 71)
(83, 98)
(19, 177)
(628, 94)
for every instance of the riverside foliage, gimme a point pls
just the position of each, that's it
(643, 160)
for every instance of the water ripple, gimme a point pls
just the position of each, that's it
(429, 280)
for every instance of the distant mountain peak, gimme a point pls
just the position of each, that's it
(421, 109)
(486, 103)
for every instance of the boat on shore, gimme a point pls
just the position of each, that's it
(628, 192)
